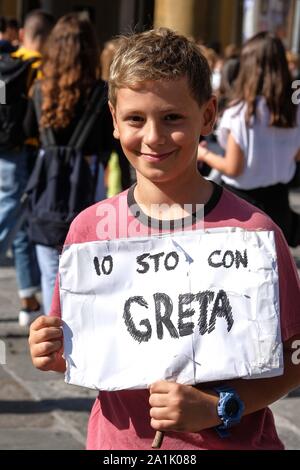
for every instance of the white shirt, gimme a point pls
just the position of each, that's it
(269, 152)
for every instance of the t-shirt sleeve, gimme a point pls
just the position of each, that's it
(289, 289)
(55, 310)
(233, 122)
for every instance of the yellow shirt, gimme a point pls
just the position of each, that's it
(25, 54)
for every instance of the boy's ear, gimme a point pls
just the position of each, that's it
(113, 113)
(209, 115)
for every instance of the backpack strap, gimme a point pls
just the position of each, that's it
(46, 135)
(12, 67)
(32, 71)
(94, 107)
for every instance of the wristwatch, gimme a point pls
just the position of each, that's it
(230, 409)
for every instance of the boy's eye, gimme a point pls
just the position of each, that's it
(135, 118)
(173, 117)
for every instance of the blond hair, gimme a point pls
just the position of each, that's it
(159, 54)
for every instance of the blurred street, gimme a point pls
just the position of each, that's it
(39, 411)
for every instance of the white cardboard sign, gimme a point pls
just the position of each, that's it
(192, 307)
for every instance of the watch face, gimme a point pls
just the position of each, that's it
(232, 407)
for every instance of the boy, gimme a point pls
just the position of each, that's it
(161, 101)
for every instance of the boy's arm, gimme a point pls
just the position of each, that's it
(259, 393)
(186, 408)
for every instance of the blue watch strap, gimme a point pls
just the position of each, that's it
(227, 393)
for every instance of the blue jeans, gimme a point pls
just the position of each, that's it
(48, 259)
(13, 179)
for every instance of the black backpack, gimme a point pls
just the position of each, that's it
(17, 75)
(62, 183)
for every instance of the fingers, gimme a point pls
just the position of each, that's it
(163, 416)
(162, 386)
(45, 329)
(45, 334)
(163, 425)
(46, 348)
(45, 321)
(166, 401)
(180, 407)
(46, 343)
(158, 399)
(164, 413)
(165, 394)
(45, 362)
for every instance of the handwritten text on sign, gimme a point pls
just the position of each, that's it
(191, 307)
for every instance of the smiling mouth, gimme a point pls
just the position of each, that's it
(153, 157)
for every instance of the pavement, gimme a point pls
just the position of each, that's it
(39, 411)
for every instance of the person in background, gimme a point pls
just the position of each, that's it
(119, 174)
(229, 75)
(13, 29)
(33, 35)
(260, 132)
(70, 72)
(215, 64)
(14, 172)
(224, 94)
(293, 61)
(6, 37)
(230, 51)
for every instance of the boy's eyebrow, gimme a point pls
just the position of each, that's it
(167, 109)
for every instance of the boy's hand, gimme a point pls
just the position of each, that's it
(177, 407)
(46, 344)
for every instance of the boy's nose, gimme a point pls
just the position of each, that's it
(154, 134)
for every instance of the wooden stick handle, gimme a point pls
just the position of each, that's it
(158, 440)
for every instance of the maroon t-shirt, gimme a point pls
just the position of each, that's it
(120, 419)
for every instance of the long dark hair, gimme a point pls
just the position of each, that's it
(70, 69)
(264, 72)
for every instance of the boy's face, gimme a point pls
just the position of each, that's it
(159, 124)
